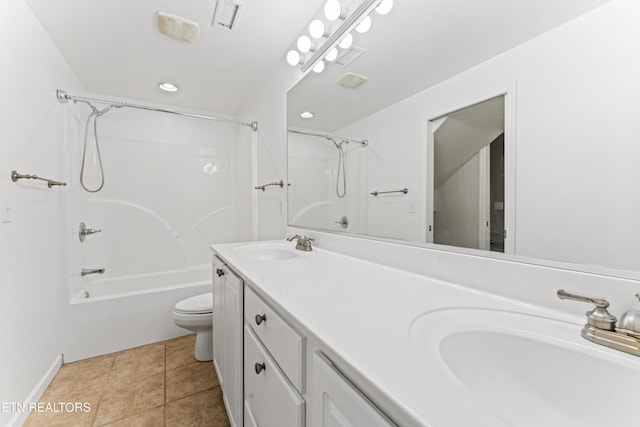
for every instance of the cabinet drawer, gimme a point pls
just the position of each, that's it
(282, 341)
(270, 401)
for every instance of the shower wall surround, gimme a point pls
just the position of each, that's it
(171, 188)
(316, 181)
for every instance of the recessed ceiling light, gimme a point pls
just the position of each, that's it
(168, 87)
(306, 114)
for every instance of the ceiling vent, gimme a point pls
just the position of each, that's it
(352, 80)
(177, 28)
(227, 14)
(347, 56)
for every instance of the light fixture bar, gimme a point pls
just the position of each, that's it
(364, 9)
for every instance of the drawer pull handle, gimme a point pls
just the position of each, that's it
(260, 367)
(260, 318)
(220, 272)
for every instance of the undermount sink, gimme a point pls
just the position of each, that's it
(528, 370)
(265, 253)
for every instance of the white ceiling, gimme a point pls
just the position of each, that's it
(115, 49)
(419, 44)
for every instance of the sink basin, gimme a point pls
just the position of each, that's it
(265, 253)
(528, 370)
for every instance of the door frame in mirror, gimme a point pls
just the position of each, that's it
(427, 165)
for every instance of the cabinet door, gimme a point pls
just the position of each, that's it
(232, 305)
(227, 338)
(337, 403)
(218, 318)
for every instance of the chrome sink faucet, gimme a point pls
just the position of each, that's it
(303, 243)
(601, 325)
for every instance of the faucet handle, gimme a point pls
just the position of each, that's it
(599, 317)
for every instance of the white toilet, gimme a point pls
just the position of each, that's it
(196, 314)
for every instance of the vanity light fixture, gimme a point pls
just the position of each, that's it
(364, 25)
(305, 44)
(306, 114)
(319, 67)
(332, 55)
(333, 10)
(294, 58)
(318, 29)
(346, 42)
(384, 7)
(325, 42)
(168, 87)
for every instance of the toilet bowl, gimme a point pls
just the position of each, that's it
(196, 314)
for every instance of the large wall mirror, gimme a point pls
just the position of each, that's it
(502, 128)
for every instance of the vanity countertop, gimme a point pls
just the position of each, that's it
(365, 313)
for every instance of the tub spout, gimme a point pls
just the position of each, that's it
(86, 271)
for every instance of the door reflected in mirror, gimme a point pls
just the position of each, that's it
(467, 195)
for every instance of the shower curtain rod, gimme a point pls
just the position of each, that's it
(363, 142)
(64, 97)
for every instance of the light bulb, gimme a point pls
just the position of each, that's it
(333, 10)
(319, 67)
(306, 114)
(384, 7)
(346, 42)
(304, 44)
(332, 55)
(364, 25)
(293, 57)
(317, 29)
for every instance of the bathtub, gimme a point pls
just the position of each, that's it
(113, 314)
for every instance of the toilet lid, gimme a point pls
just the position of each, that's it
(202, 303)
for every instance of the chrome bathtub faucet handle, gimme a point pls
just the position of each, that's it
(84, 231)
(599, 317)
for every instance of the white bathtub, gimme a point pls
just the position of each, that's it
(114, 314)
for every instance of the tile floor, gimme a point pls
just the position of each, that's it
(156, 385)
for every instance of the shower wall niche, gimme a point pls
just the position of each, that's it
(172, 187)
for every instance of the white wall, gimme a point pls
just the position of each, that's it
(455, 207)
(31, 252)
(269, 150)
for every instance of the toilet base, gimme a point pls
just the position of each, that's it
(204, 346)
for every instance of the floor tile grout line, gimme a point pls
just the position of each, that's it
(104, 389)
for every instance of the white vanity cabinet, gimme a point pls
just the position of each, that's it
(228, 338)
(273, 367)
(337, 403)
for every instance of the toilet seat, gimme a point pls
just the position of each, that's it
(199, 304)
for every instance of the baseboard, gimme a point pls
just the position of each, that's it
(21, 416)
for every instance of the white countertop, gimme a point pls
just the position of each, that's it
(364, 313)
